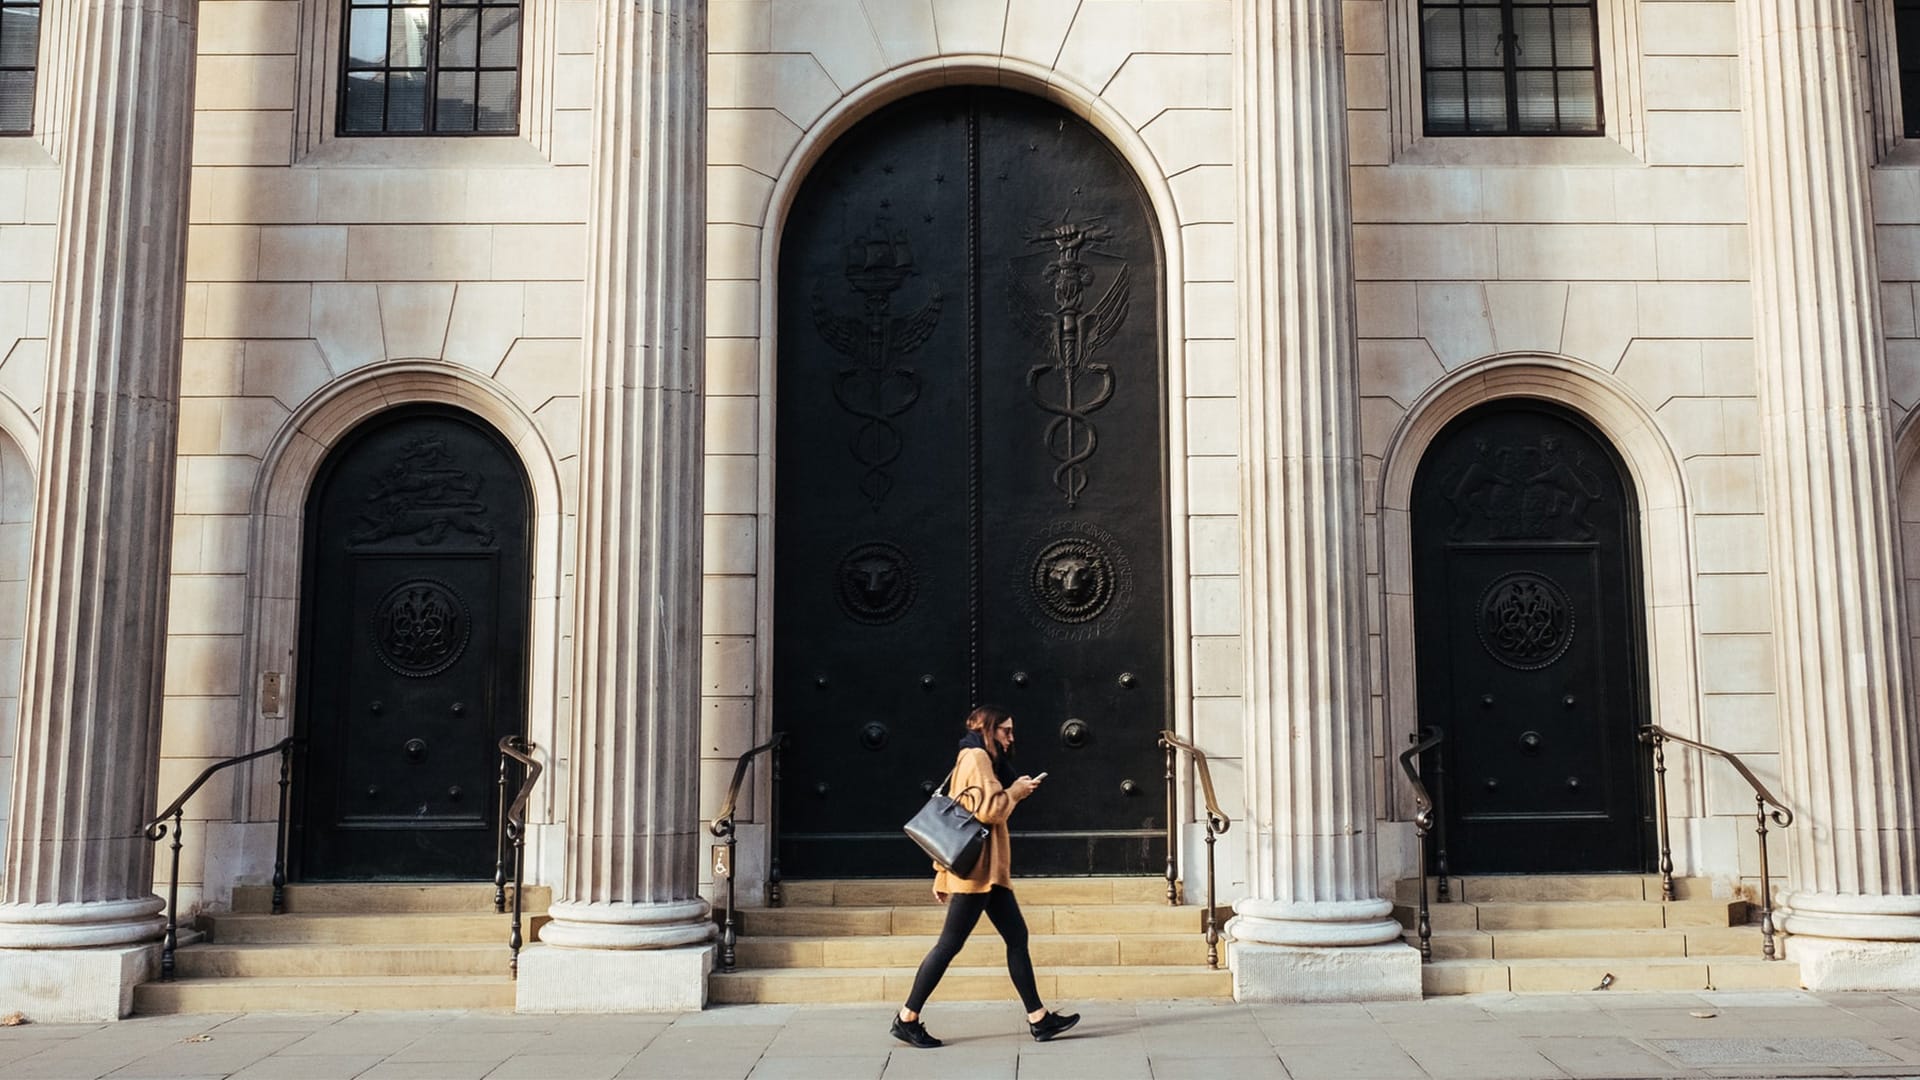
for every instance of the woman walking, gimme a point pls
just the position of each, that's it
(986, 765)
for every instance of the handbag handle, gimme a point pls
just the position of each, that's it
(957, 796)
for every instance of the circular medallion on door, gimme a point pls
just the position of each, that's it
(1076, 580)
(420, 628)
(1526, 621)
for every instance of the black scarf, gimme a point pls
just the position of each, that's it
(1002, 763)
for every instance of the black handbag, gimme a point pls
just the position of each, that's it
(948, 832)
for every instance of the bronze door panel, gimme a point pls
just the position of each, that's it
(414, 659)
(970, 483)
(1526, 605)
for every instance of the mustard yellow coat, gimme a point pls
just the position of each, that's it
(992, 805)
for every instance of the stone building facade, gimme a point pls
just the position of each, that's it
(1626, 400)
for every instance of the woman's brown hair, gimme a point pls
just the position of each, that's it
(985, 718)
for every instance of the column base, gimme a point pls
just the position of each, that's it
(1296, 973)
(556, 980)
(74, 985)
(1835, 964)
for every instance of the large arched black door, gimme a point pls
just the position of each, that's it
(413, 657)
(970, 484)
(1526, 597)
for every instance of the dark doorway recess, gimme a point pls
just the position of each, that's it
(1527, 610)
(970, 484)
(413, 658)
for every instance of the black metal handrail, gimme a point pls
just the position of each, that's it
(1217, 823)
(513, 831)
(723, 829)
(159, 828)
(1657, 737)
(1423, 819)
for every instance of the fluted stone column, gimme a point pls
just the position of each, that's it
(77, 905)
(1314, 926)
(629, 929)
(1848, 736)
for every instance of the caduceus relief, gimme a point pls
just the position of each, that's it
(876, 387)
(1072, 385)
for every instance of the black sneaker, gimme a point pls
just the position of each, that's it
(914, 1033)
(1053, 1024)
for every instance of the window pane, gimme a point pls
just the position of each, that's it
(500, 43)
(1579, 103)
(367, 39)
(407, 101)
(16, 101)
(1441, 39)
(19, 36)
(1536, 104)
(500, 101)
(454, 106)
(1486, 101)
(1533, 37)
(1446, 102)
(459, 34)
(1573, 36)
(407, 47)
(1482, 37)
(366, 100)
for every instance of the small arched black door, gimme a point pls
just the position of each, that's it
(413, 660)
(1526, 597)
(971, 484)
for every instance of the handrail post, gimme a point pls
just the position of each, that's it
(1766, 883)
(280, 828)
(1438, 827)
(727, 931)
(1213, 929)
(173, 906)
(1658, 741)
(1172, 838)
(514, 941)
(1425, 922)
(775, 897)
(500, 840)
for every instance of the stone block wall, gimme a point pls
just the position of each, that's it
(1609, 272)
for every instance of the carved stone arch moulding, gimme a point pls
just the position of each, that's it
(286, 475)
(1665, 532)
(1010, 73)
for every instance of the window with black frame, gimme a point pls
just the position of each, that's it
(1510, 67)
(431, 67)
(19, 56)
(1906, 32)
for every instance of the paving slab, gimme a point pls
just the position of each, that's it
(1779, 1035)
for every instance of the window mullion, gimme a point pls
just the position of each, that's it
(1510, 52)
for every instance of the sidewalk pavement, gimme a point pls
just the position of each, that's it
(1480, 1037)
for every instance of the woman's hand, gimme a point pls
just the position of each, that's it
(1022, 788)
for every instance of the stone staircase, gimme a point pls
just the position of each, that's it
(861, 940)
(347, 947)
(1562, 933)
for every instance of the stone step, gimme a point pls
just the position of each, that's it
(897, 892)
(450, 898)
(210, 961)
(323, 994)
(1571, 975)
(981, 950)
(1549, 944)
(878, 985)
(836, 921)
(342, 929)
(1578, 915)
(1497, 888)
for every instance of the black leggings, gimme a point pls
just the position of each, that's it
(963, 914)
